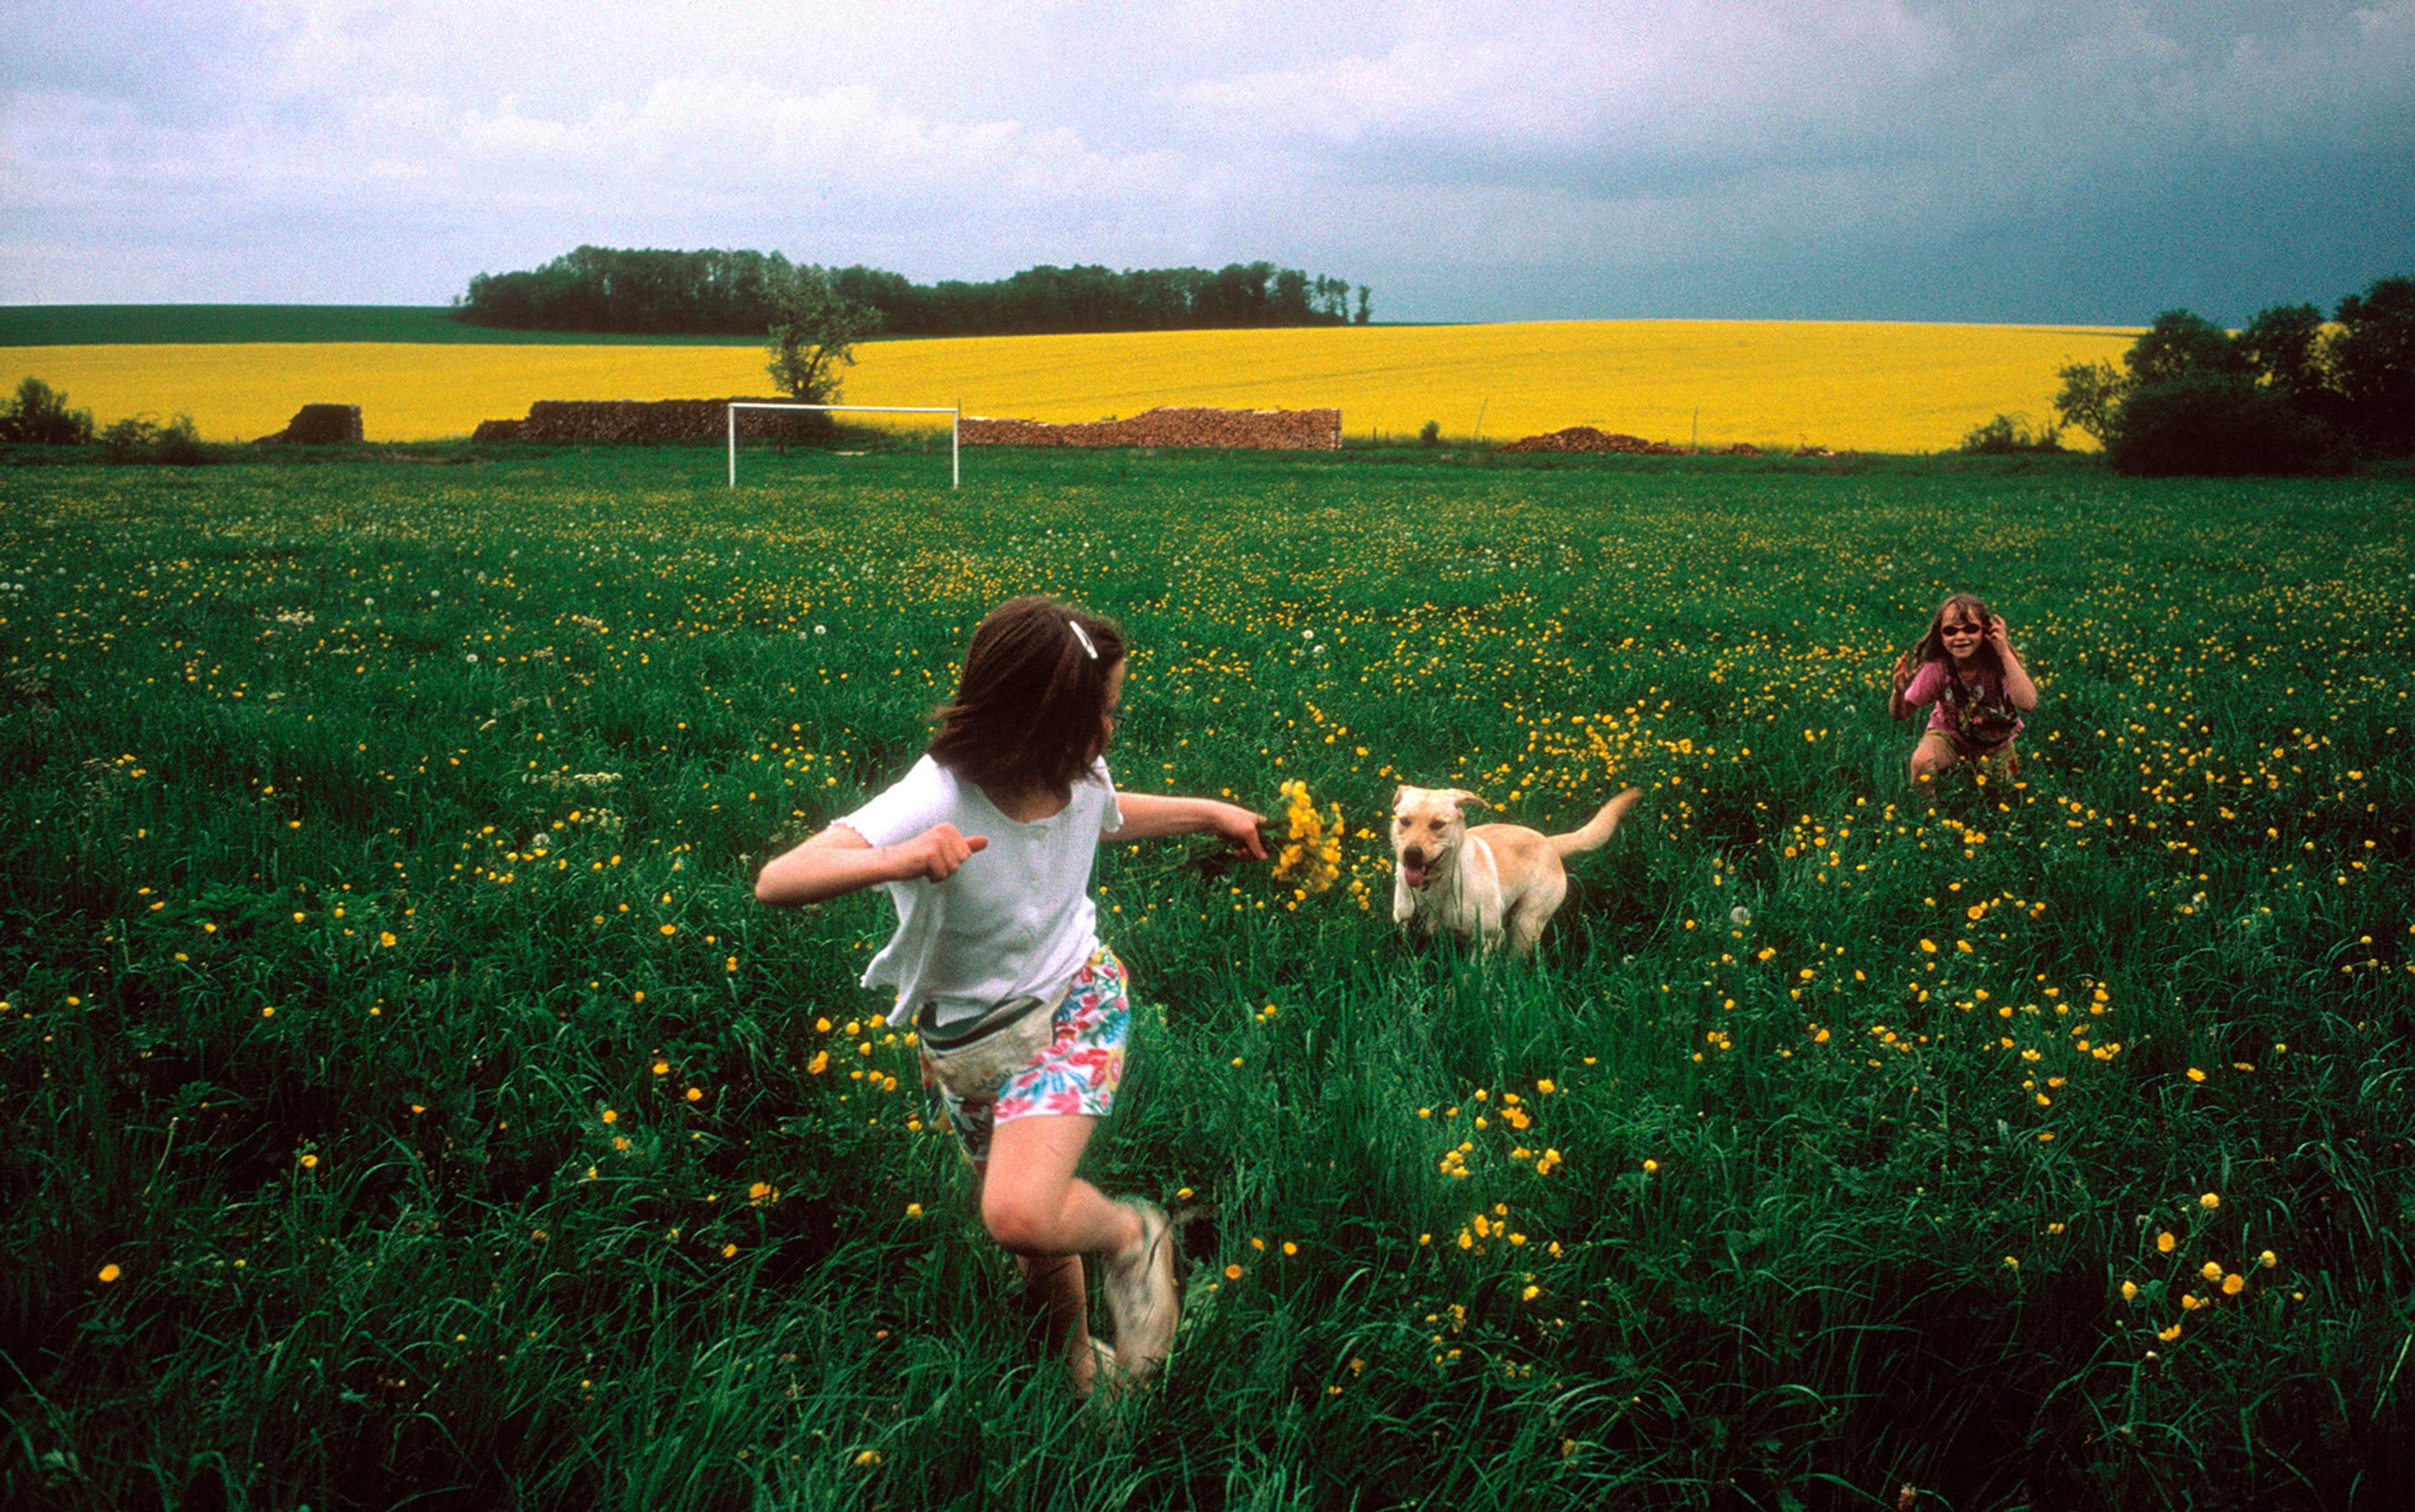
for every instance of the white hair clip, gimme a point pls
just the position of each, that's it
(1084, 636)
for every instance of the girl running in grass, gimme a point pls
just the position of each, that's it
(985, 846)
(1965, 665)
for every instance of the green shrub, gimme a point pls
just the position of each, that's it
(2006, 436)
(138, 438)
(39, 414)
(2218, 425)
(1430, 434)
(180, 443)
(126, 439)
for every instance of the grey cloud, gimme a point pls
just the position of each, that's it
(1496, 158)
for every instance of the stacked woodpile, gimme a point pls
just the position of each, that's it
(319, 425)
(1274, 430)
(644, 422)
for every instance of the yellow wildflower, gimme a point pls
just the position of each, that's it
(1310, 855)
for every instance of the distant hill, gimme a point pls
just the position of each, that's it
(105, 325)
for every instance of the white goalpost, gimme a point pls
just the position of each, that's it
(955, 426)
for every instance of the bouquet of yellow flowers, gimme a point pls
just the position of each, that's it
(1311, 857)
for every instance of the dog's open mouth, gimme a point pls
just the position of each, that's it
(1415, 870)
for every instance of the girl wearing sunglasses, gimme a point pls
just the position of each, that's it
(1965, 670)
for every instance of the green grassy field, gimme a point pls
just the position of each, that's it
(405, 1098)
(71, 325)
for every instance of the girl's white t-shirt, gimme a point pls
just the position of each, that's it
(1016, 919)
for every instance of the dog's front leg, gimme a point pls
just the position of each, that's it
(1487, 928)
(1413, 912)
(1480, 883)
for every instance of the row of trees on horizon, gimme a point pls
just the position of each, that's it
(717, 293)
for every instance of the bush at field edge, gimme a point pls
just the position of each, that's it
(2218, 425)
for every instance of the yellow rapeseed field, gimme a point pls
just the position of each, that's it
(1865, 385)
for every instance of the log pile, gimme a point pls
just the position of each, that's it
(645, 422)
(1276, 430)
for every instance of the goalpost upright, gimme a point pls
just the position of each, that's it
(955, 426)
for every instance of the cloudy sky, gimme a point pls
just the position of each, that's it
(2061, 160)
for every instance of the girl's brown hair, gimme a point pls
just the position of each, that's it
(1030, 710)
(1932, 645)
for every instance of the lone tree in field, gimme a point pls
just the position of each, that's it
(2091, 393)
(814, 332)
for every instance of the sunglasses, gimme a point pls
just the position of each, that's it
(1961, 630)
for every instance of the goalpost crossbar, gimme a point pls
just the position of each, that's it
(955, 426)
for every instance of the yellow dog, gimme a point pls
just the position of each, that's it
(1492, 881)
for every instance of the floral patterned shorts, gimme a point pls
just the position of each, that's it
(1077, 1074)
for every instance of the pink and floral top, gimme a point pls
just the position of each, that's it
(1934, 685)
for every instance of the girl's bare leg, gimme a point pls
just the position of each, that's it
(1932, 758)
(1057, 1292)
(1033, 1204)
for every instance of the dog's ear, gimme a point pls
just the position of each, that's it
(1467, 799)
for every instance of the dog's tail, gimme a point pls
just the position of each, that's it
(1597, 831)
